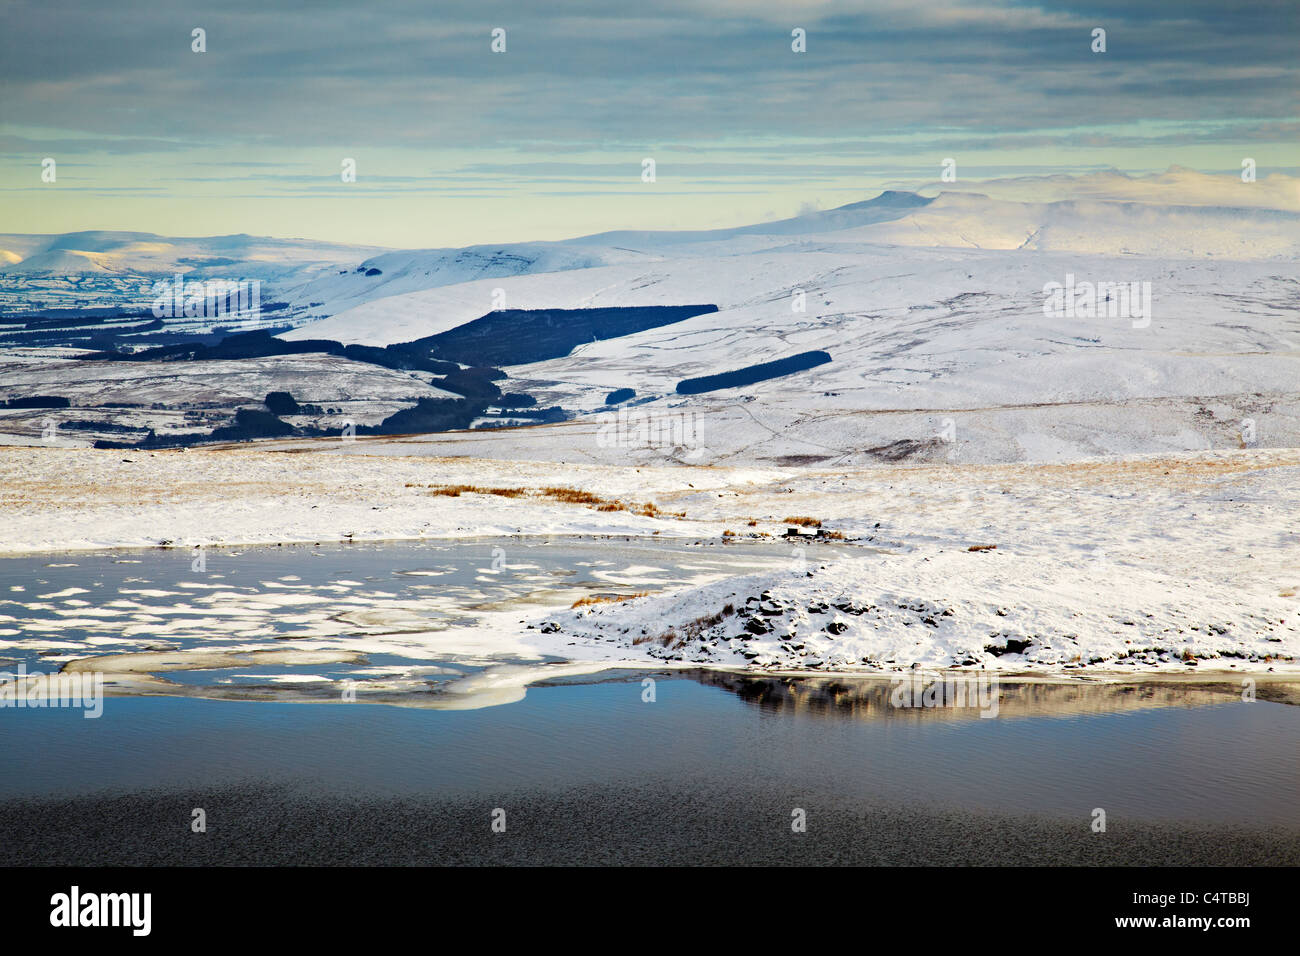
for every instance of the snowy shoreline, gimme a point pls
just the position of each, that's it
(940, 613)
(1134, 565)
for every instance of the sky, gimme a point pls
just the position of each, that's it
(456, 144)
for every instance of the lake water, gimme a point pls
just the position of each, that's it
(388, 601)
(1178, 752)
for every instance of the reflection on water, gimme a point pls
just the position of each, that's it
(923, 698)
(302, 624)
(205, 692)
(1216, 764)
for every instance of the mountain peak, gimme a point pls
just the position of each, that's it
(895, 198)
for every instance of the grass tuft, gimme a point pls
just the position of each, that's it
(804, 521)
(590, 599)
(573, 496)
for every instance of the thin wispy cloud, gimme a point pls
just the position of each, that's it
(402, 87)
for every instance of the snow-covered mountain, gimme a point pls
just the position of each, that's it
(933, 313)
(99, 252)
(392, 274)
(932, 309)
(1110, 214)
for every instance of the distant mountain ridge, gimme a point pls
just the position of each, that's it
(1104, 213)
(109, 252)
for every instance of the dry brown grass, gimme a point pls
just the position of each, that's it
(574, 496)
(693, 629)
(982, 547)
(455, 491)
(804, 521)
(590, 599)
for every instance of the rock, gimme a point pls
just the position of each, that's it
(1012, 646)
(850, 607)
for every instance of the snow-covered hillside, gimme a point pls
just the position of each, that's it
(932, 310)
(1178, 214)
(933, 314)
(1142, 334)
(144, 253)
(117, 270)
(392, 274)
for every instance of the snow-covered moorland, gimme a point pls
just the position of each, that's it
(1157, 562)
(953, 608)
(1106, 485)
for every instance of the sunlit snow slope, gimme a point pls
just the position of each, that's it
(930, 306)
(933, 313)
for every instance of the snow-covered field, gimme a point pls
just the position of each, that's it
(1135, 469)
(1099, 565)
(179, 397)
(932, 312)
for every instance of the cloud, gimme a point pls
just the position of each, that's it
(398, 74)
(710, 88)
